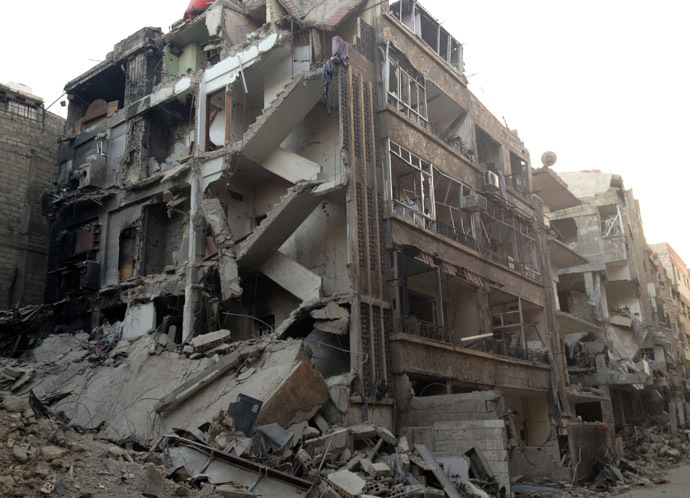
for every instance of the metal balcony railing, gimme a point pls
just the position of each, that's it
(418, 328)
(499, 347)
(455, 142)
(457, 236)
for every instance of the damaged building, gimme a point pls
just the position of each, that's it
(624, 349)
(299, 208)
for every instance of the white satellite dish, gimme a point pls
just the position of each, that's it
(548, 158)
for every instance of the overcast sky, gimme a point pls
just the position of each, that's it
(602, 83)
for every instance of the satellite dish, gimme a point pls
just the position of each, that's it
(548, 158)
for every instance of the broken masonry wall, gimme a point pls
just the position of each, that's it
(453, 424)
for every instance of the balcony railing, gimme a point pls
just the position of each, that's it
(455, 142)
(412, 326)
(457, 236)
(418, 328)
(500, 347)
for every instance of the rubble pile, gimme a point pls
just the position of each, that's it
(91, 417)
(44, 457)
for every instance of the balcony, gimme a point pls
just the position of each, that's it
(451, 233)
(491, 343)
(454, 141)
(410, 325)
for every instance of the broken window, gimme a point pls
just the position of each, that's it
(22, 110)
(410, 186)
(611, 221)
(488, 151)
(453, 215)
(518, 173)
(510, 240)
(415, 18)
(406, 87)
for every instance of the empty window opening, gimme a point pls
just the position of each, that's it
(488, 151)
(126, 256)
(429, 386)
(113, 314)
(449, 121)
(589, 412)
(164, 231)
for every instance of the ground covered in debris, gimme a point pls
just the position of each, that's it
(146, 417)
(41, 457)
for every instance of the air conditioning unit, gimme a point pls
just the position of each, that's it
(491, 180)
(92, 173)
(473, 203)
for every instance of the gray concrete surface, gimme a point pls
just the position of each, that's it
(678, 487)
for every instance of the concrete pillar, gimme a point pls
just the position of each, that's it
(674, 418)
(607, 409)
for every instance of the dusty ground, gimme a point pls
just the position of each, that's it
(678, 486)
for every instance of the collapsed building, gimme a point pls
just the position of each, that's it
(321, 176)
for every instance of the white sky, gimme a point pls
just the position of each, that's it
(605, 84)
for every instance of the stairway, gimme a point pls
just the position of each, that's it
(292, 276)
(282, 116)
(282, 221)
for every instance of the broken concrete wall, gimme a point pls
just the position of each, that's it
(535, 464)
(588, 444)
(452, 424)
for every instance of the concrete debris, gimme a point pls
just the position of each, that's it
(211, 340)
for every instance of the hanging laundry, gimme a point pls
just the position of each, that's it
(339, 49)
(327, 77)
